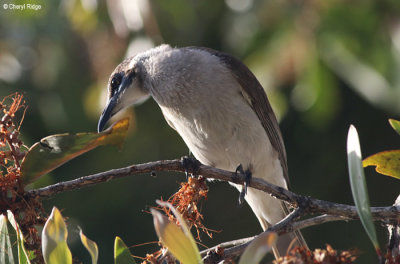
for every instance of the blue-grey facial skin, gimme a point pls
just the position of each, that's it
(112, 105)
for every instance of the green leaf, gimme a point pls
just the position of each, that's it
(395, 124)
(386, 162)
(178, 240)
(122, 255)
(359, 185)
(53, 151)
(23, 257)
(6, 254)
(257, 249)
(91, 246)
(54, 240)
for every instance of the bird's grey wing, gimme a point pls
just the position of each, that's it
(255, 95)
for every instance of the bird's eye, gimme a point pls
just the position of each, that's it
(115, 83)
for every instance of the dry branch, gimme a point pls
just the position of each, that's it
(307, 204)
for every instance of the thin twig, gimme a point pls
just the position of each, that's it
(286, 221)
(286, 225)
(228, 244)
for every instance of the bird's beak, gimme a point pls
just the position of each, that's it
(113, 105)
(107, 113)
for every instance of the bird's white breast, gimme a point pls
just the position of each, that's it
(206, 107)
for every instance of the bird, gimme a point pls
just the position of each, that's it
(220, 110)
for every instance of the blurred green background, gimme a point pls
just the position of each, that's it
(324, 64)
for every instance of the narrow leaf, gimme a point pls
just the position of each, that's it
(53, 151)
(6, 254)
(183, 225)
(359, 185)
(54, 240)
(122, 255)
(175, 239)
(23, 257)
(386, 162)
(181, 221)
(395, 124)
(91, 246)
(257, 249)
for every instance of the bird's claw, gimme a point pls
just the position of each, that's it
(247, 176)
(191, 165)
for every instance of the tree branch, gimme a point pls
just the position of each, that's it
(308, 204)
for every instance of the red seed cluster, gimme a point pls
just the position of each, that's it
(186, 201)
(10, 149)
(318, 256)
(27, 211)
(10, 144)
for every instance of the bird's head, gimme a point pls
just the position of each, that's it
(125, 88)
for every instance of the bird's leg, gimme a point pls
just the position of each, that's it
(191, 165)
(247, 179)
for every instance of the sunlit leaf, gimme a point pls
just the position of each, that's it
(182, 223)
(178, 240)
(395, 124)
(122, 255)
(257, 249)
(6, 254)
(54, 240)
(386, 162)
(53, 151)
(23, 257)
(91, 246)
(359, 185)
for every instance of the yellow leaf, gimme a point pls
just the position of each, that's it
(176, 240)
(395, 125)
(386, 162)
(54, 240)
(91, 246)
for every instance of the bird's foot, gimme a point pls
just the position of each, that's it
(247, 179)
(191, 165)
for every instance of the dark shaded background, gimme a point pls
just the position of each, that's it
(325, 65)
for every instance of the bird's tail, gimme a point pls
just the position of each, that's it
(288, 241)
(285, 242)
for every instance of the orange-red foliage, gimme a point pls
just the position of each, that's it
(318, 256)
(186, 200)
(27, 211)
